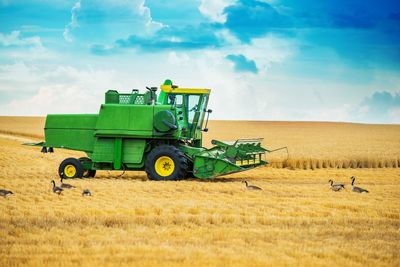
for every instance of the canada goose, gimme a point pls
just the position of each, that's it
(5, 193)
(63, 185)
(86, 192)
(336, 187)
(355, 188)
(252, 187)
(56, 189)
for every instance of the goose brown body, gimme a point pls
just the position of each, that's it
(357, 189)
(64, 185)
(56, 189)
(252, 187)
(336, 187)
(86, 192)
(5, 193)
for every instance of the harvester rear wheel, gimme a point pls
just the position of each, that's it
(166, 163)
(87, 173)
(70, 168)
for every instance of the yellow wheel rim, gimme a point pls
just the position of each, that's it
(70, 170)
(164, 166)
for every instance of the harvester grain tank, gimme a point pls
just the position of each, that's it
(160, 135)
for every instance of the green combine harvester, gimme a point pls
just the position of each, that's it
(162, 136)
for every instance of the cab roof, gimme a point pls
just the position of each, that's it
(169, 88)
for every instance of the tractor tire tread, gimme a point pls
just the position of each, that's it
(179, 159)
(72, 161)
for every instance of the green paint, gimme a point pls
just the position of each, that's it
(117, 153)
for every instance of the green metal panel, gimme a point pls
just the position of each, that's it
(133, 150)
(209, 166)
(120, 119)
(74, 139)
(123, 133)
(190, 151)
(71, 121)
(103, 150)
(70, 131)
(117, 153)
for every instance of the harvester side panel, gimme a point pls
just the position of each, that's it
(133, 150)
(73, 132)
(125, 120)
(104, 150)
(119, 151)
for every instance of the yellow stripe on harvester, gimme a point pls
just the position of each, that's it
(169, 89)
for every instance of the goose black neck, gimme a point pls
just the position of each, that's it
(352, 182)
(54, 183)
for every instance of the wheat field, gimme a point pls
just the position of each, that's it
(312, 145)
(130, 221)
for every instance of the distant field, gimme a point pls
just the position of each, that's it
(312, 145)
(130, 221)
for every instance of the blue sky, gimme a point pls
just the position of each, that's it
(265, 60)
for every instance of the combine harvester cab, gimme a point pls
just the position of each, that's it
(162, 136)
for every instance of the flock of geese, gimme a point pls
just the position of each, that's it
(334, 187)
(58, 189)
(339, 187)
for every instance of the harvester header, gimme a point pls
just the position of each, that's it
(161, 135)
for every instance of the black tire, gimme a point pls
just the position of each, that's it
(87, 173)
(166, 153)
(70, 168)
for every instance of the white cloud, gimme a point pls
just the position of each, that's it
(131, 9)
(214, 9)
(136, 7)
(209, 69)
(269, 95)
(64, 89)
(19, 48)
(73, 23)
(178, 58)
(19, 77)
(267, 51)
(151, 25)
(15, 39)
(226, 36)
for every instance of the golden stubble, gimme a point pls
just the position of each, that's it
(295, 220)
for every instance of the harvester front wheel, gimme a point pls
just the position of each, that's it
(70, 168)
(166, 163)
